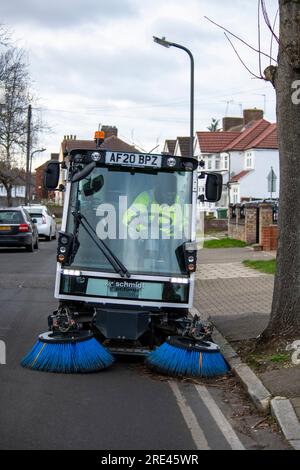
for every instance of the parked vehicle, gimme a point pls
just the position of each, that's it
(46, 224)
(17, 228)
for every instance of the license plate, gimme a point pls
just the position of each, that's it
(133, 159)
(5, 228)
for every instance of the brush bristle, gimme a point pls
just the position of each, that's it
(175, 361)
(69, 357)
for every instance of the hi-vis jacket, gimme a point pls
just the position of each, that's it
(146, 209)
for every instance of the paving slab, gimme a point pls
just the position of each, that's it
(241, 327)
(226, 271)
(234, 296)
(296, 405)
(283, 382)
(230, 255)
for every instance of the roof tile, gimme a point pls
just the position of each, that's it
(245, 138)
(239, 176)
(215, 142)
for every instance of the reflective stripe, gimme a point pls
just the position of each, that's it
(141, 206)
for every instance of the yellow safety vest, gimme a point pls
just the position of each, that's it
(145, 205)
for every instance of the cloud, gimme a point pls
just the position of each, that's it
(95, 61)
(64, 13)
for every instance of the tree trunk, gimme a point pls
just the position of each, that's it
(9, 195)
(285, 315)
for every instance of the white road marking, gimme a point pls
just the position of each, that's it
(190, 419)
(223, 424)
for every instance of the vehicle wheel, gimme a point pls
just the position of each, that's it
(30, 248)
(49, 237)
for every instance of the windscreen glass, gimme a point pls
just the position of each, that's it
(144, 219)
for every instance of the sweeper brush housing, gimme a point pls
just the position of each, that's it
(76, 353)
(180, 356)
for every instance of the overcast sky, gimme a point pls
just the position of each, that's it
(94, 61)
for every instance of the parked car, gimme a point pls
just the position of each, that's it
(46, 224)
(17, 228)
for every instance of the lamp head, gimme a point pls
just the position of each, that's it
(162, 41)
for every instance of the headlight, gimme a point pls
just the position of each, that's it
(171, 162)
(96, 156)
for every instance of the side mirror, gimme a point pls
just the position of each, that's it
(213, 187)
(92, 187)
(51, 175)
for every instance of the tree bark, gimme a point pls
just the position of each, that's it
(9, 195)
(285, 315)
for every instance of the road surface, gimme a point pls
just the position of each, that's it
(125, 407)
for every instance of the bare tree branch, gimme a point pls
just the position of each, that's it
(240, 39)
(259, 38)
(268, 21)
(272, 36)
(241, 60)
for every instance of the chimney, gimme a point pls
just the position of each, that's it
(109, 131)
(230, 122)
(54, 156)
(252, 115)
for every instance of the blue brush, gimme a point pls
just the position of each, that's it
(67, 354)
(180, 356)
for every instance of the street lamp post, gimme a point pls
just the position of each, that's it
(165, 43)
(29, 173)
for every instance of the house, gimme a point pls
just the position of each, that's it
(18, 189)
(40, 191)
(169, 147)
(246, 153)
(179, 147)
(112, 142)
(182, 147)
(253, 157)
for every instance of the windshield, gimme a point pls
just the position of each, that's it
(143, 218)
(10, 217)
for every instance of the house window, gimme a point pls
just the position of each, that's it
(209, 163)
(235, 195)
(218, 163)
(249, 161)
(226, 163)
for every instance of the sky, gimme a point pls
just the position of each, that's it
(94, 62)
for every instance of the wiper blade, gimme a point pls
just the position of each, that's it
(109, 255)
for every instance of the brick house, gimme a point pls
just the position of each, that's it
(40, 191)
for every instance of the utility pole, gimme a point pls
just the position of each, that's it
(28, 182)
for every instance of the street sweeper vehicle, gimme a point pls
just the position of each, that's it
(126, 263)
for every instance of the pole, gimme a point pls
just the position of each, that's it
(28, 182)
(192, 95)
(163, 42)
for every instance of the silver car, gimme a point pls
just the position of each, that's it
(46, 223)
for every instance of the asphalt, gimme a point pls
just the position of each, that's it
(124, 407)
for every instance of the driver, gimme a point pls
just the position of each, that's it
(161, 202)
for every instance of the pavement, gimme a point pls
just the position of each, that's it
(125, 407)
(238, 302)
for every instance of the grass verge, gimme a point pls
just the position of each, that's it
(267, 267)
(224, 243)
